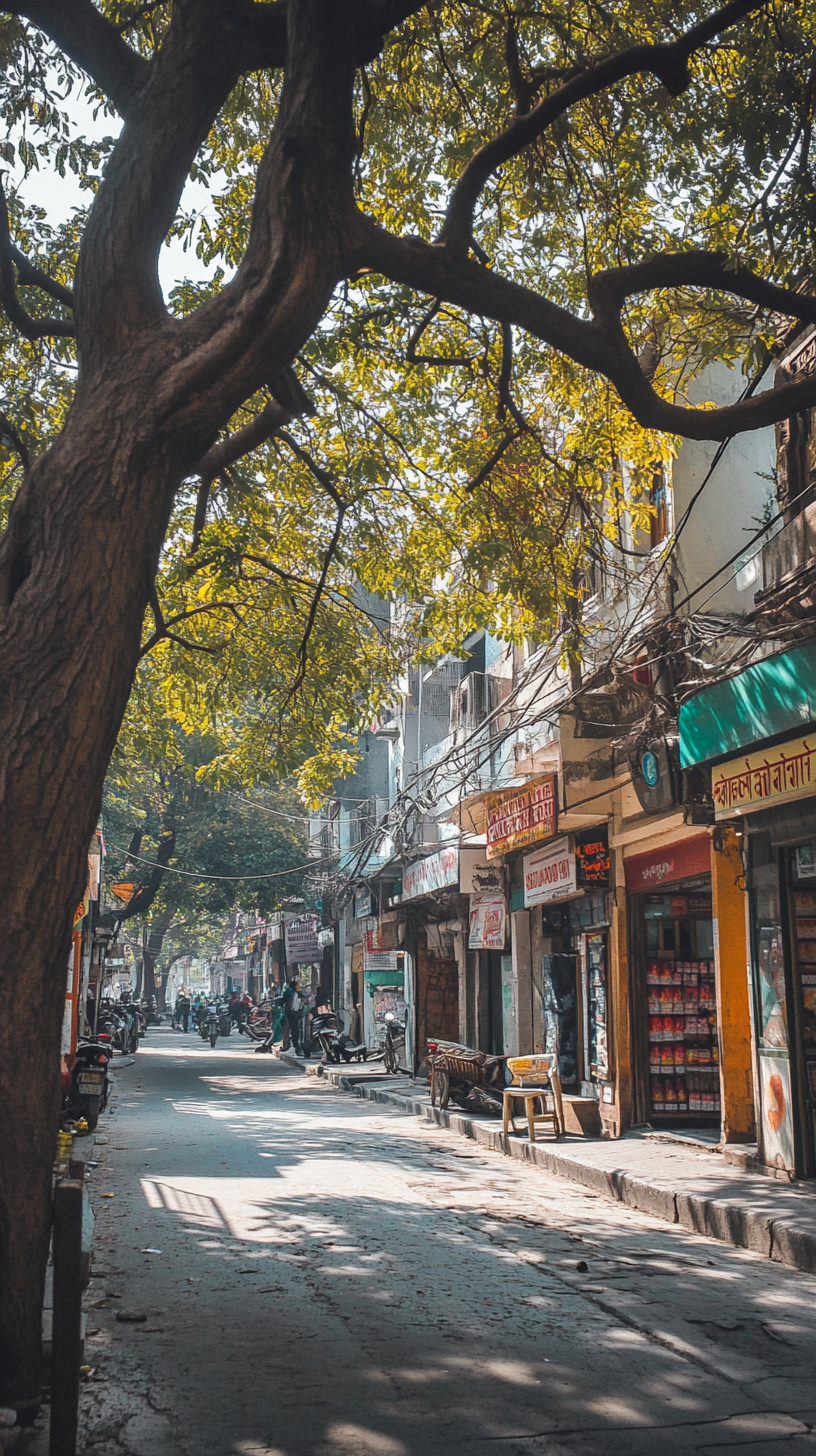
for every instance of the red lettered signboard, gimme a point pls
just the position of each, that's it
(516, 817)
(667, 865)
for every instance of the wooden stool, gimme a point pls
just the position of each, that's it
(529, 1096)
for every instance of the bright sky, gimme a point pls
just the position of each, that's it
(59, 195)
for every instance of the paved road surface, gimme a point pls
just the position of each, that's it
(322, 1276)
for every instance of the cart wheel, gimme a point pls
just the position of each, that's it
(440, 1087)
(444, 1091)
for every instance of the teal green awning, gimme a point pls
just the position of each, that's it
(771, 697)
(384, 978)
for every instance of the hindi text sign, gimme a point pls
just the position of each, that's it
(771, 776)
(516, 817)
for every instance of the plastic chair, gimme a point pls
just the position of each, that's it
(535, 1079)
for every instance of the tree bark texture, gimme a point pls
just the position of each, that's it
(80, 555)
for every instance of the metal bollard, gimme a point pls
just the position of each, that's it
(67, 1330)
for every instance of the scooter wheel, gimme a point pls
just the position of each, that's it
(213, 1038)
(91, 1112)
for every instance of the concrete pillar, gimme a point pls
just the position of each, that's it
(483, 1038)
(733, 1010)
(521, 980)
(460, 951)
(619, 1113)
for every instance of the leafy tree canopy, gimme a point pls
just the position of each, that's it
(193, 853)
(446, 443)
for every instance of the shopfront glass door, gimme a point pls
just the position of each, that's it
(775, 1093)
(596, 1007)
(802, 919)
(684, 1073)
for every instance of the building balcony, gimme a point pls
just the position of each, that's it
(786, 578)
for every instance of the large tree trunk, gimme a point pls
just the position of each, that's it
(75, 570)
(154, 941)
(80, 555)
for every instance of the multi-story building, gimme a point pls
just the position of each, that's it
(563, 861)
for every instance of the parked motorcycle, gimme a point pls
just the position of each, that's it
(90, 1083)
(209, 1024)
(336, 1044)
(224, 1018)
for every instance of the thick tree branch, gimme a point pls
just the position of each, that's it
(30, 276)
(696, 268)
(601, 344)
(146, 894)
(668, 62)
(290, 400)
(29, 327)
(82, 32)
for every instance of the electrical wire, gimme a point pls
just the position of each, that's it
(191, 875)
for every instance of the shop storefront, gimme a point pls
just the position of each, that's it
(565, 890)
(768, 789)
(676, 1070)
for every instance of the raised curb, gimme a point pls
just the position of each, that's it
(736, 1219)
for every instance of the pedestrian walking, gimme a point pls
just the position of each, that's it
(292, 1006)
(182, 1011)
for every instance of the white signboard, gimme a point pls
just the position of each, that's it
(549, 874)
(301, 940)
(380, 960)
(487, 922)
(434, 873)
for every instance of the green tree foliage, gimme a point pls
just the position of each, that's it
(194, 854)
(447, 460)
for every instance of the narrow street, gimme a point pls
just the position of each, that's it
(284, 1270)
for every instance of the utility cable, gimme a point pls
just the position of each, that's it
(191, 875)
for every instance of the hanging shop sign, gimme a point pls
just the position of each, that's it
(592, 856)
(434, 873)
(477, 876)
(301, 939)
(672, 862)
(550, 874)
(517, 817)
(363, 903)
(771, 776)
(380, 960)
(487, 922)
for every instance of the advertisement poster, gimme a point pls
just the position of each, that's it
(516, 817)
(301, 940)
(487, 922)
(550, 874)
(775, 1105)
(433, 873)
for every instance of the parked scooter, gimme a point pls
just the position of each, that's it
(224, 1018)
(90, 1084)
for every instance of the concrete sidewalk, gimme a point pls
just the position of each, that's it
(674, 1181)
